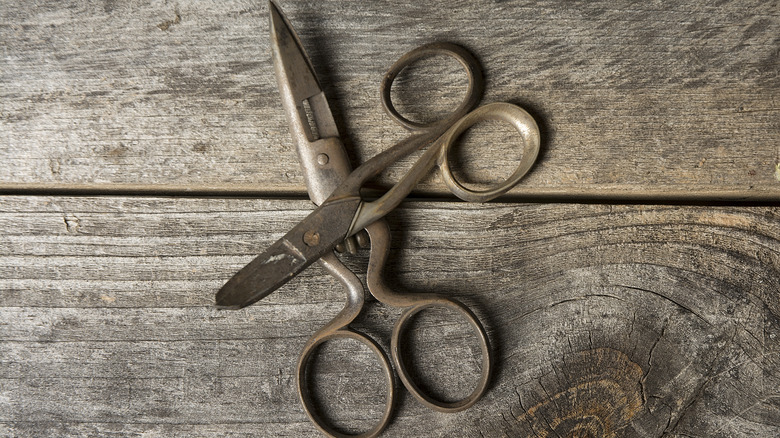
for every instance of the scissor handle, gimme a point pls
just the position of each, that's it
(429, 301)
(442, 134)
(466, 59)
(338, 328)
(523, 123)
(304, 392)
(379, 232)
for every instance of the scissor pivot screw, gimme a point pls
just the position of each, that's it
(311, 238)
(322, 159)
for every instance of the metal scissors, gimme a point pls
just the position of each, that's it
(342, 213)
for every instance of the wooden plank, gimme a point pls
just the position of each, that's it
(635, 101)
(625, 320)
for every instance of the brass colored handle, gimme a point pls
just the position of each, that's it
(523, 123)
(379, 232)
(466, 59)
(338, 328)
(400, 364)
(304, 391)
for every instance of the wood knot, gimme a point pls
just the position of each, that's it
(72, 223)
(600, 391)
(166, 25)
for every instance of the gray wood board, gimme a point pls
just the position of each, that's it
(634, 99)
(628, 320)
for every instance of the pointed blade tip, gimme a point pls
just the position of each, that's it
(222, 301)
(276, 16)
(219, 306)
(229, 297)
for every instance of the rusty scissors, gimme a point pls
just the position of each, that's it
(342, 213)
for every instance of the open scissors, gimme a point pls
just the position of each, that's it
(342, 212)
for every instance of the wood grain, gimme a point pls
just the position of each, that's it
(631, 320)
(606, 320)
(636, 101)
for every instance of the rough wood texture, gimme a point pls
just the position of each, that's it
(629, 320)
(638, 321)
(635, 99)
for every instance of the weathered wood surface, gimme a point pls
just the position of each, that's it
(638, 321)
(649, 99)
(606, 320)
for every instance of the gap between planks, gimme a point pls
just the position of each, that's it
(589, 195)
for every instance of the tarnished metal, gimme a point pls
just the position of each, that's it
(436, 154)
(289, 255)
(325, 165)
(338, 328)
(379, 232)
(321, 153)
(342, 213)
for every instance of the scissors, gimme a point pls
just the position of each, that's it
(342, 212)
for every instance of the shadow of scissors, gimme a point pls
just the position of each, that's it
(342, 212)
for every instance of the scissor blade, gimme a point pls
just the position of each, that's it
(293, 66)
(323, 159)
(303, 245)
